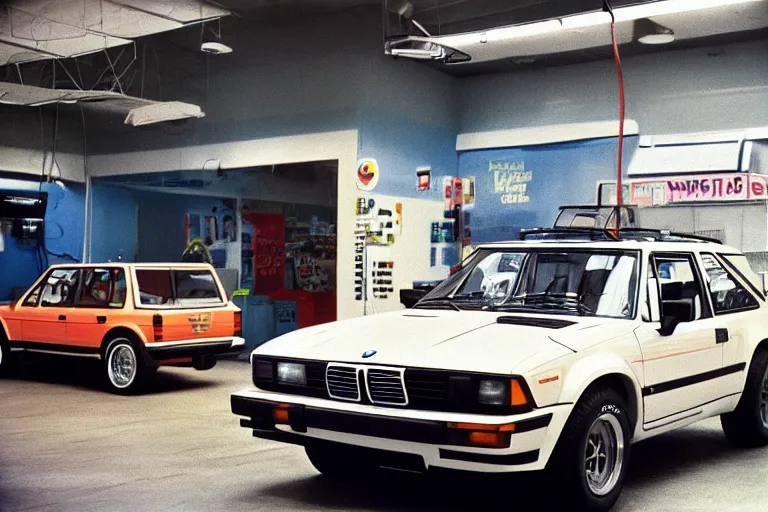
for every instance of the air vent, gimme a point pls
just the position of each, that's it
(342, 383)
(546, 323)
(386, 387)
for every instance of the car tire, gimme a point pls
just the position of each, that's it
(747, 425)
(5, 357)
(338, 463)
(597, 429)
(127, 368)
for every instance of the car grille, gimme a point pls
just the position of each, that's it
(426, 389)
(386, 387)
(342, 383)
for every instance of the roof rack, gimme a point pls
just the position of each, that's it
(612, 235)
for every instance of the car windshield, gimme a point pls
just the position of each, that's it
(597, 282)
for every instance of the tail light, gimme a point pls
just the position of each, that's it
(157, 327)
(238, 323)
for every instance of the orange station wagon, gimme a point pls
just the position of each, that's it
(134, 317)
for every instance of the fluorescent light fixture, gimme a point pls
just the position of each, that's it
(650, 32)
(160, 112)
(650, 9)
(416, 49)
(590, 19)
(215, 48)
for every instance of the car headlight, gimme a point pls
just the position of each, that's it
(492, 392)
(292, 373)
(500, 392)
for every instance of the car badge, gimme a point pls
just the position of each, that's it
(369, 353)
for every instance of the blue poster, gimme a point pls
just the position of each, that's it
(522, 188)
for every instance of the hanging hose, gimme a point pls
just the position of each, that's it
(617, 60)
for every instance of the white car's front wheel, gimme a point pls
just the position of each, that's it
(591, 456)
(747, 425)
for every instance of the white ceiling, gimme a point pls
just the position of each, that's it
(43, 29)
(534, 41)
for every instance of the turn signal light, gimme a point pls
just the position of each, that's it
(485, 435)
(280, 414)
(489, 439)
(517, 395)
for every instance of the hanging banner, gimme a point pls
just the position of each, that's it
(699, 188)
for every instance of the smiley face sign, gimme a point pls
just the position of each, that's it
(367, 174)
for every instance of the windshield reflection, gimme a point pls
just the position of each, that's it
(580, 282)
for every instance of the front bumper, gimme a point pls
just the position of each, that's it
(192, 348)
(419, 433)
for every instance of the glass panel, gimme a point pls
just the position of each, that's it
(154, 287)
(742, 265)
(583, 282)
(102, 288)
(727, 294)
(60, 288)
(196, 288)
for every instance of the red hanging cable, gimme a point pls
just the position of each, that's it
(617, 60)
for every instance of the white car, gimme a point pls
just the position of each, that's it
(590, 346)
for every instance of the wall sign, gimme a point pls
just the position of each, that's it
(510, 181)
(367, 174)
(698, 188)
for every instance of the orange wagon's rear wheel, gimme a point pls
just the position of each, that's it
(126, 366)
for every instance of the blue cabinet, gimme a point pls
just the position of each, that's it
(258, 319)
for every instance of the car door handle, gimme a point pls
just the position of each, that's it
(101, 319)
(62, 317)
(721, 335)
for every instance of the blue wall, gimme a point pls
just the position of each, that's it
(533, 181)
(113, 224)
(64, 228)
(400, 146)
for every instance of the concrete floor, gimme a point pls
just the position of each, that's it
(65, 445)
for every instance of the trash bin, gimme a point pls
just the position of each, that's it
(258, 320)
(285, 317)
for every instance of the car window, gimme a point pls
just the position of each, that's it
(196, 287)
(727, 293)
(154, 286)
(740, 263)
(680, 287)
(102, 288)
(60, 288)
(33, 298)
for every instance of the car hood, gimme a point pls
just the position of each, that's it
(461, 340)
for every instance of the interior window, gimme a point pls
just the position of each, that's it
(102, 288)
(681, 291)
(154, 286)
(727, 294)
(60, 288)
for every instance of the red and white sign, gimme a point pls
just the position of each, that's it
(699, 188)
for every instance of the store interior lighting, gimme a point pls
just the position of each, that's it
(622, 14)
(650, 32)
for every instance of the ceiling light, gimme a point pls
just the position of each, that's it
(651, 9)
(415, 49)
(590, 19)
(210, 41)
(650, 32)
(161, 112)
